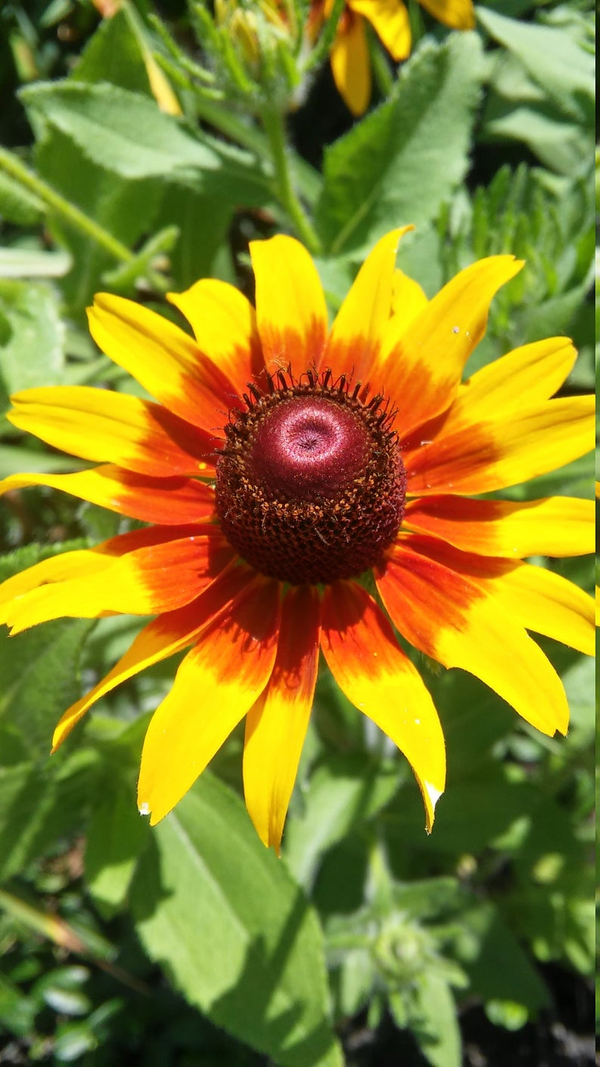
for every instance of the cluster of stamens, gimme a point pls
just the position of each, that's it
(310, 481)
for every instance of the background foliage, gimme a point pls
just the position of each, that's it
(191, 943)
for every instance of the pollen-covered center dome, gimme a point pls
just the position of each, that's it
(310, 483)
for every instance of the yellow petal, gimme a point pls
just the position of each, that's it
(167, 501)
(99, 425)
(408, 299)
(527, 375)
(548, 604)
(375, 674)
(389, 19)
(553, 526)
(359, 327)
(350, 64)
(224, 323)
(422, 366)
(216, 684)
(290, 305)
(495, 454)
(276, 725)
(449, 615)
(163, 359)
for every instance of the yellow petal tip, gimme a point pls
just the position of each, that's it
(431, 795)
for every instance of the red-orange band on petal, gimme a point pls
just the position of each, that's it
(376, 675)
(167, 501)
(276, 725)
(446, 613)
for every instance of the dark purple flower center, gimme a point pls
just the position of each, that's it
(310, 483)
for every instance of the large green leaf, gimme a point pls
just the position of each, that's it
(232, 929)
(404, 160)
(126, 133)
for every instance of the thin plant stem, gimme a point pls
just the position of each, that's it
(71, 214)
(273, 126)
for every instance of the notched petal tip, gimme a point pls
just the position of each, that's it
(144, 808)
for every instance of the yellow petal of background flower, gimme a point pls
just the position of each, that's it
(360, 324)
(216, 684)
(458, 14)
(422, 367)
(389, 19)
(276, 725)
(553, 526)
(99, 425)
(163, 637)
(527, 375)
(163, 359)
(375, 674)
(350, 64)
(168, 501)
(451, 617)
(290, 304)
(224, 323)
(502, 452)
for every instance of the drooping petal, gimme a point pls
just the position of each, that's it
(164, 636)
(360, 324)
(276, 725)
(422, 366)
(458, 14)
(98, 425)
(408, 298)
(216, 684)
(448, 614)
(167, 501)
(290, 305)
(350, 64)
(498, 453)
(375, 674)
(224, 324)
(553, 526)
(163, 359)
(159, 576)
(389, 19)
(528, 375)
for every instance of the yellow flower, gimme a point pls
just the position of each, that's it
(282, 461)
(389, 18)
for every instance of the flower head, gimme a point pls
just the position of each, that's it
(349, 54)
(283, 460)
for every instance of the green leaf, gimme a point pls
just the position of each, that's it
(404, 160)
(116, 836)
(32, 338)
(497, 966)
(563, 69)
(127, 134)
(233, 931)
(437, 1030)
(126, 209)
(112, 55)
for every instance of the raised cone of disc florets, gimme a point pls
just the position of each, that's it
(310, 484)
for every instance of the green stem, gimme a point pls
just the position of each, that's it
(274, 129)
(71, 214)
